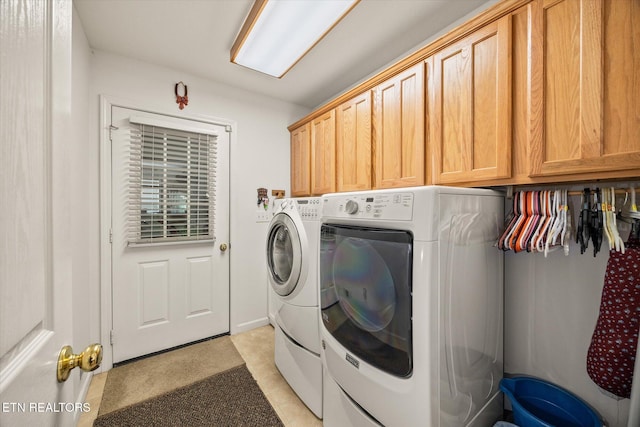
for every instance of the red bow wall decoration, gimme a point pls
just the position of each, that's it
(181, 100)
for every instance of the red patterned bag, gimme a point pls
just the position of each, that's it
(611, 355)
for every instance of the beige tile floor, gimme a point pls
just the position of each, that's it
(256, 348)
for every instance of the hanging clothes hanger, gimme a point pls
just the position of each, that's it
(606, 219)
(584, 221)
(541, 220)
(558, 228)
(596, 223)
(618, 242)
(515, 242)
(555, 224)
(566, 222)
(633, 212)
(522, 206)
(546, 220)
(629, 210)
(562, 221)
(525, 233)
(534, 219)
(515, 216)
(629, 213)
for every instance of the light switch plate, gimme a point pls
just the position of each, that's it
(262, 215)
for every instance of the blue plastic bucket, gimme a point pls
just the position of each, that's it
(538, 403)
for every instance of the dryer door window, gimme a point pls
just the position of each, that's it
(365, 293)
(284, 255)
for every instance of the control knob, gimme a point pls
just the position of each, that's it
(351, 207)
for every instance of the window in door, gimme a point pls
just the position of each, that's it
(172, 185)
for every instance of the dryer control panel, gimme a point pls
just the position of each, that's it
(396, 206)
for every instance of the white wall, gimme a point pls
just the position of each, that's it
(551, 308)
(259, 157)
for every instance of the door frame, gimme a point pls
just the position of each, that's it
(106, 301)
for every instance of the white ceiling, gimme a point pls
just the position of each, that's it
(195, 36)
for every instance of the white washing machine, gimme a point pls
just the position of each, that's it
(411, 302)
(273, 302)
(292, 264)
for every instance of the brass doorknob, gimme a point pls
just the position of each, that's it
(88, 360)
(223, 247)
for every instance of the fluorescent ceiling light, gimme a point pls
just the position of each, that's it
(277, 33)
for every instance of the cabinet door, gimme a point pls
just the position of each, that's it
(353, 144)
(470, 118)
(301, 161)
(521, 113)
(323, 154)
(399, 130)
(588, 74)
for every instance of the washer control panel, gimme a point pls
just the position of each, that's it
(390, 206)
(309, 208)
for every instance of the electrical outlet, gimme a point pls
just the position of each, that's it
(262, 215)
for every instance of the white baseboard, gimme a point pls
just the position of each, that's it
(247, 326)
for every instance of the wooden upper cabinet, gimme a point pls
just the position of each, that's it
(301, 161)
(529, 92)
(586, 77)
(398, 123)
(470, 106)
(323, 154)
(521, 113)
(353, 144)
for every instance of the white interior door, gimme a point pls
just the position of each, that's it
(35, 255)
(165, 294)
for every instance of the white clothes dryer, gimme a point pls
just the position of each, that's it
(411, 301)
(292, 264)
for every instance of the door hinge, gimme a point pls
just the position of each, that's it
(112, 337)
(111, 235)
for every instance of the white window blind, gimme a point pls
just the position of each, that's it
(171, 185)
